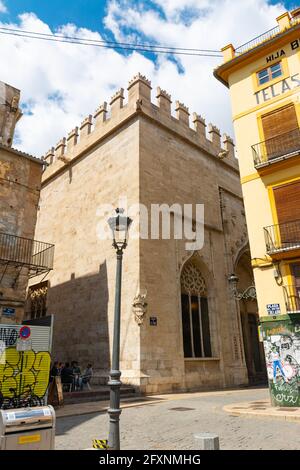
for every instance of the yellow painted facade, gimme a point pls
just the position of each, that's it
(260, 175)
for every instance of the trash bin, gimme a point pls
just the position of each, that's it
(27, 428)
(281, 338)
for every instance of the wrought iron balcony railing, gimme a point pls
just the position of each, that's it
(282, 237)
(258, 40)
(25, 252)
(292, 298)
(280, 146)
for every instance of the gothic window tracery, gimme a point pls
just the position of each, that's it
(37, 299)
(195, 318)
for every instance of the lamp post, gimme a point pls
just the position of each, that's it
(120, 228)
(248, 294)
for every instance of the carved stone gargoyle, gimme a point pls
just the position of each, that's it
(139, 307)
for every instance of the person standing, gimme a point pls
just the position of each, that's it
(87, 376)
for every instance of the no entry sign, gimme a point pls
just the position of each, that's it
(25, 332)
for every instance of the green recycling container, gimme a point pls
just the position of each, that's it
(281, 338)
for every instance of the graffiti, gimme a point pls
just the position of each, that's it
(24, 373)
(281, 398)
(275, 331)
(282, 349)
(9, 336)
(279, 387)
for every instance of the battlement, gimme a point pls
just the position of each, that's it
(106, 120)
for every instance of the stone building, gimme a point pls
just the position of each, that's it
(10, 112)
(20, 182)
(263, 77)
(181, 323)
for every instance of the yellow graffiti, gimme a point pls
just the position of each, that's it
(24, 372)
(275, 331)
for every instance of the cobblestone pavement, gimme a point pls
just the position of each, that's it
(159, 426)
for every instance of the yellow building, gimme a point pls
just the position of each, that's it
(264, 81)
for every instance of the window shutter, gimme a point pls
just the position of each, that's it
(281, 132)
(279, 122)
(287, 199)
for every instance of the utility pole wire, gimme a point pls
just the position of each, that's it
(110, 44)
(107, 42)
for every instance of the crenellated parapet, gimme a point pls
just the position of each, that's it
(107, 119)
(214, 136)
(49, 156)
(100, 114)
(182, 113)
(60, 148)
(117, 101)
(72, 139)
(164, 100)
(86, 126)
(199, 125)
(228, 144)
(139, 89)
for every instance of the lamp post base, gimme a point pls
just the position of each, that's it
(114, 410)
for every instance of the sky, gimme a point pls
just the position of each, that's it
(62, 83)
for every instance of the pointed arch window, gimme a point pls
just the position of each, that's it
(37, 300)
(195, 317)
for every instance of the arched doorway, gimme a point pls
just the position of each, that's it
(254, 352)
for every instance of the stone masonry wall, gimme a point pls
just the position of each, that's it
(139, 150)
(20, 181)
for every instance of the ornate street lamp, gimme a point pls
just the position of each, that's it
(248, 294)
(120, 228)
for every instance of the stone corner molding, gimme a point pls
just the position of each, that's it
(139, 307)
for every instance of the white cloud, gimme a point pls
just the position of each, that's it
(211, 25)
(3, 8)
(62, 83)
(173, 8)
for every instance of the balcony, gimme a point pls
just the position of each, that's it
(283, 240)
(21, 252)
(276, 149)
(292, 298)
(284, 24)
(257, 41)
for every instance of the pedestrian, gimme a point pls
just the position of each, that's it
(54, 371)
(67, 377)
(77, 375)
(87, 376)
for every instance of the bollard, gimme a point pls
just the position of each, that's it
(207, 441)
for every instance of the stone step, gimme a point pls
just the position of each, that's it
(97, 394)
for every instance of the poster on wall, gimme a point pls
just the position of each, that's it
(24, 371)
(282, 349)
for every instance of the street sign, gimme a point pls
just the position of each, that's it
(273, 309)
(24, 344)
(8, 312)
(25, 332)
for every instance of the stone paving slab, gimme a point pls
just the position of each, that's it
(77, 409)
(162, 426)
(264, 409)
